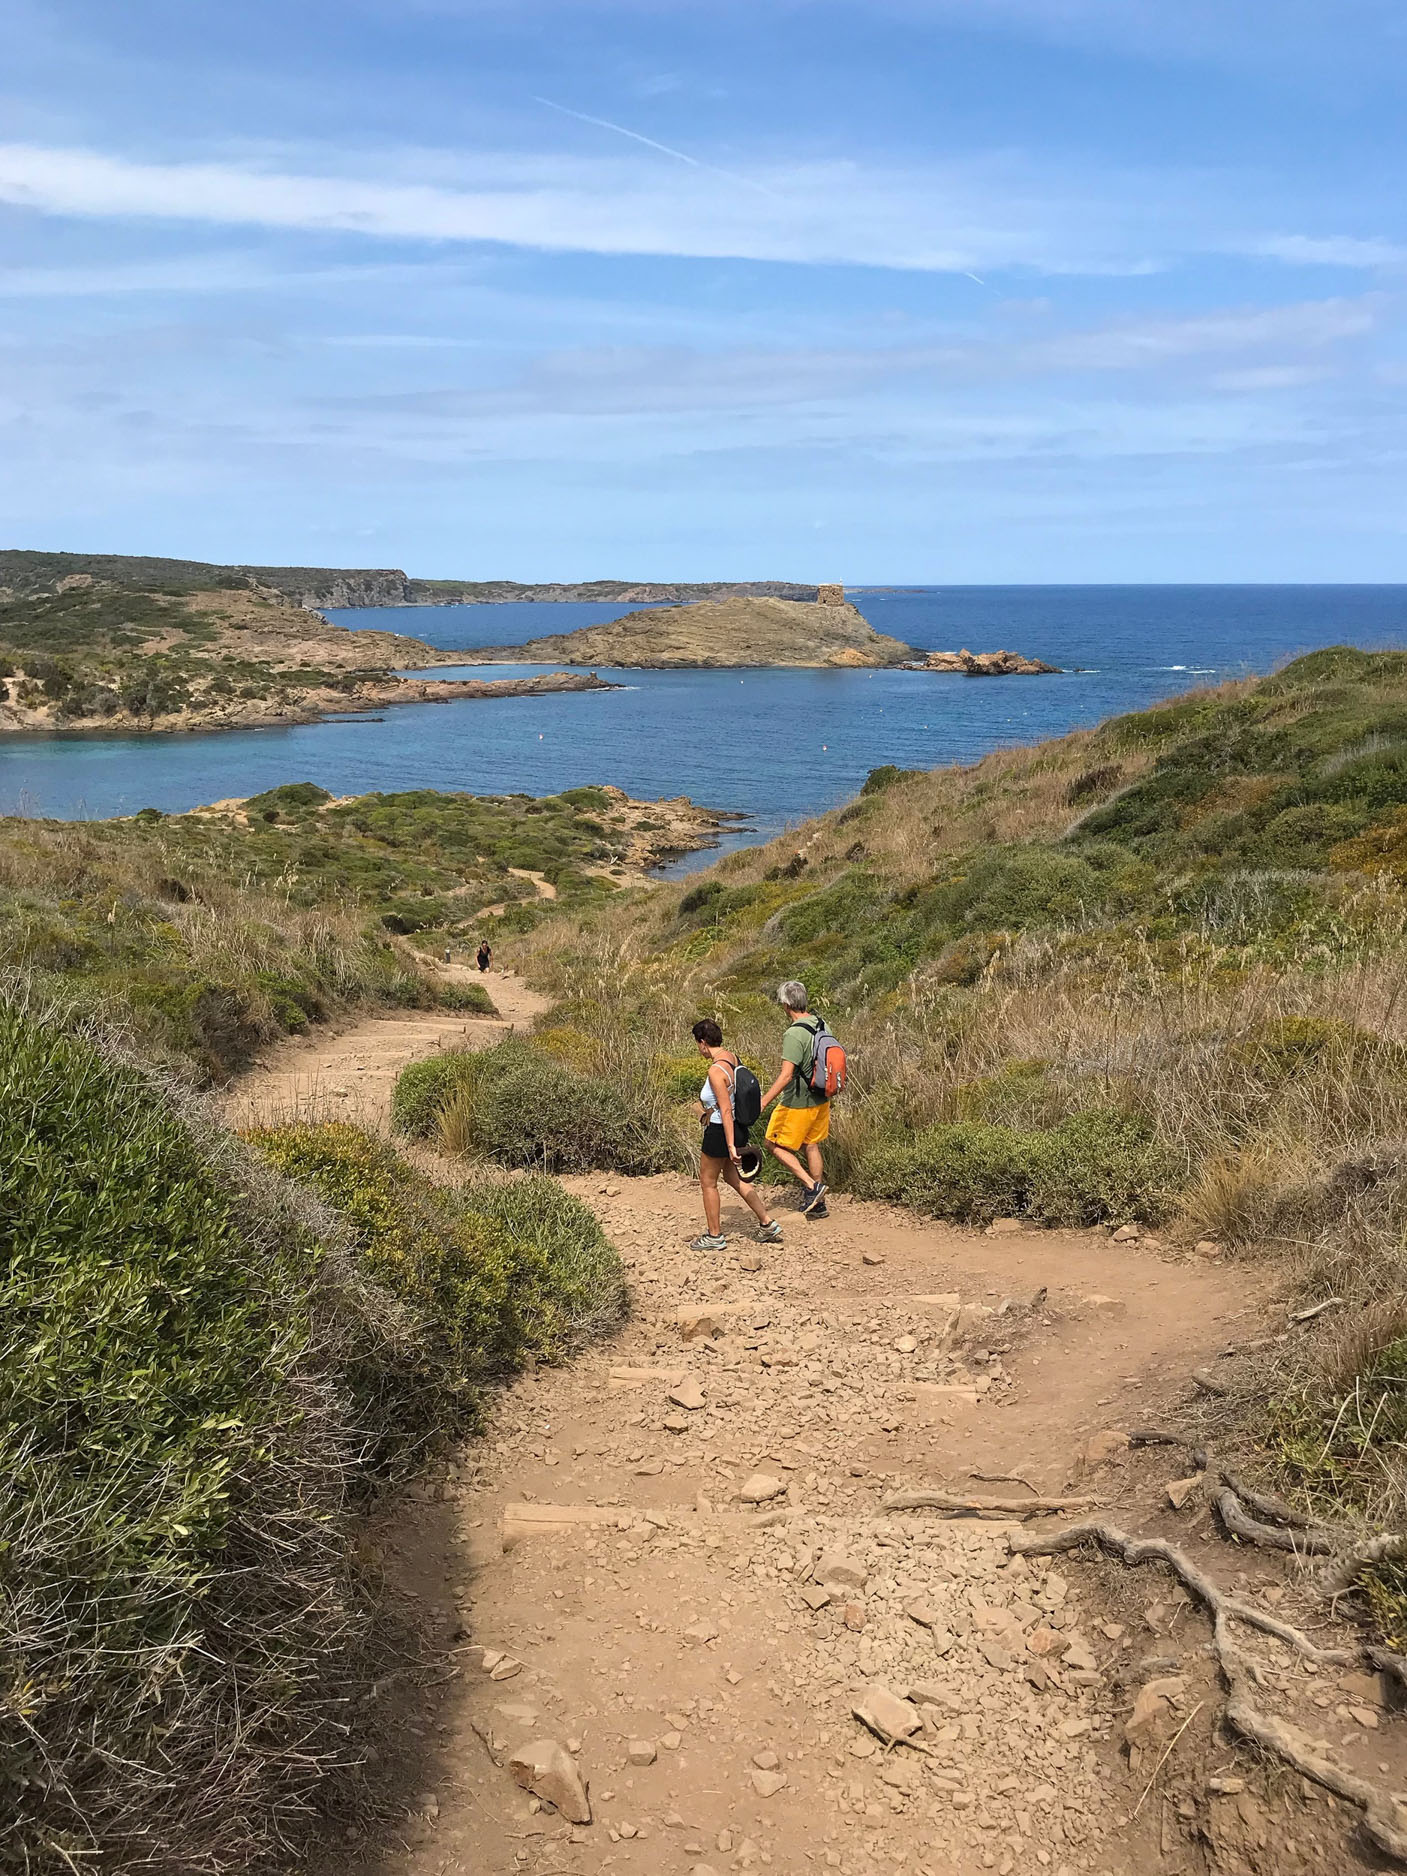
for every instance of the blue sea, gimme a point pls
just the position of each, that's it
(776, 745)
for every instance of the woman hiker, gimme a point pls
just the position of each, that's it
(723, 1142)
(485, 954)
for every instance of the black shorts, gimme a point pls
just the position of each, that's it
(715, 1141)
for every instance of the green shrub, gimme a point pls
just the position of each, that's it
(472, 998)
(176, 1607)
(701, 898)
(290, 797)
(523, 1109)
(1096, 1165)
(506, 1271)
(423, 1088)
(411, 1237)
(885, 776)
(567, 1282)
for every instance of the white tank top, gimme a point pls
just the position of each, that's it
(710, 1099)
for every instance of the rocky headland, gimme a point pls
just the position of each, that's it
(719, 633)
(89, 656)
(988, 664)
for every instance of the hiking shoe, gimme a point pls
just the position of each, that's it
(818, 1210)
(709, 1243)
(816, 1196)
(769, 1234)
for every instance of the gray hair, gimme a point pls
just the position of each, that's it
(791, 995)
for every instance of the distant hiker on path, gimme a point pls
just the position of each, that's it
(485, 955)
(729, 1101)
(802, 1116)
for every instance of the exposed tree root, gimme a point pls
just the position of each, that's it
(1299, 1542)
(1386, 1662)
(983, 1507)
(1280, 1527)
(1267, 1505)
(1384, 1819)
(1350, 1560)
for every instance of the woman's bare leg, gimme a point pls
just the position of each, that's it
(747, 1194)
(709, 1170)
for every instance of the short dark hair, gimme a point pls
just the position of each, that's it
(706, 1030)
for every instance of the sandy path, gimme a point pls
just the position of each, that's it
(348, 1073)
(700, 1658)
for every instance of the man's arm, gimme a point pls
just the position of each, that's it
(783, 1080)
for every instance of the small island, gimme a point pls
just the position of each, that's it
(988, 664)
(737, 631)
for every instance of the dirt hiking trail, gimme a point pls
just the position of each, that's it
(348, 1072)
(665, 1580)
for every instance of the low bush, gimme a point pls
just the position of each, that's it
(423, 1088)
(178, 1619)
(204, 1365)
(473, 999)
(522, 1109)
(504, 1272)
(567, 1285)
(1093, 1166)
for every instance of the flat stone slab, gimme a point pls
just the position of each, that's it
(937, 1402)
(543, 1520)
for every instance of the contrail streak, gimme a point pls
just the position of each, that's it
(604, 123)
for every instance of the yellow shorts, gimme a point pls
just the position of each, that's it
(794, 1127)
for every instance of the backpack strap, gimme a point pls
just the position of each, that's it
(799, 1075)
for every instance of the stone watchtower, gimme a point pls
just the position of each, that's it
(830, 595)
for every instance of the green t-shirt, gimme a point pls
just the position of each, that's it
(798, 1046)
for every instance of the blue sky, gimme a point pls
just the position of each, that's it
(898, 290)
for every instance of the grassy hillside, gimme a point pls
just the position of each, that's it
(1151, 970)
(206, 935)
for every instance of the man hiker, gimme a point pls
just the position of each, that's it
(801, 1118)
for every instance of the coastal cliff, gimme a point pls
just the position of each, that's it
(721, 633)
(24, 572)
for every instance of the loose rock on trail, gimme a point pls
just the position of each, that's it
(664, 1592)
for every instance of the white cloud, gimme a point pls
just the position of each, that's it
(1136, 344)
(1268, 378)
(947, 217)
(996, 212)
(1330, 251)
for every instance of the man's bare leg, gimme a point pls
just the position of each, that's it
(794, 1165)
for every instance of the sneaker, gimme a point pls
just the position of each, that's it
(709, 1243)
(769, 1234)
(817, 1211)
(815, 1197)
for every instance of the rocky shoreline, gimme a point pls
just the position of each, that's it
(315, 705)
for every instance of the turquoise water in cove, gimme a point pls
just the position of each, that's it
(778, 745)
